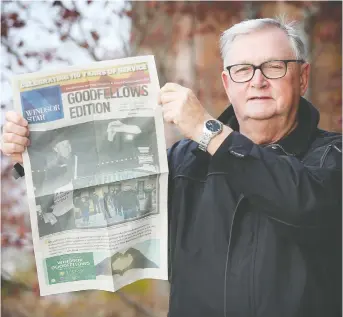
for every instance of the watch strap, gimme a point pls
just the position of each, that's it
(205, 140)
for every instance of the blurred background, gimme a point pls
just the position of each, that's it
(184, 37)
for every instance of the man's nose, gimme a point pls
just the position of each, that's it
(258, 79)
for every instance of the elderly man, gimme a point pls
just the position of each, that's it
(255, 196)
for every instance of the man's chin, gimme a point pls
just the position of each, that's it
(260, 111)
(263, 115)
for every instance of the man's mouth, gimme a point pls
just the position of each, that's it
(259, 98)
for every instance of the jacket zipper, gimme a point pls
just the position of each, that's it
(337, 149)
(322, 160)
(327, 150)
(228, 252)
(276, 145)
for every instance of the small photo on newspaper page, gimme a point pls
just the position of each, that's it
(62, 156)
(142, 255)
(97, 206)
(55, 212)
(75, 154)
(127, 144)
(116, 203)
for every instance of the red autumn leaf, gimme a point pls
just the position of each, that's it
(13, 16)
(95, 36)
(47, 56)
(63, 37)
(12, 218)
(21, 232)
(4, 28)
(84, 45)
(70, 14)
(31, 54)
(18, 24)
(4, 241)
(128, 13)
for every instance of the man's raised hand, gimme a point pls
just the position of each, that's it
(15, 136)
(182, 108)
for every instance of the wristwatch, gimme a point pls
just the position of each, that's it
(211, 129)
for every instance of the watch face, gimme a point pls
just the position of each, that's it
(213, 125)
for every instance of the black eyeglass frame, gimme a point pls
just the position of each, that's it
(285, 61)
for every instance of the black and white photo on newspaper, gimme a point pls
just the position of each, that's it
(90, 153)
(98, 206)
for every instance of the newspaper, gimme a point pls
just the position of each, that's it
(96, 174)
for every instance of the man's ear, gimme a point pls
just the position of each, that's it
(226, 82)
(304, 78)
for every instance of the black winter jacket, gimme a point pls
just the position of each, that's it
(255, 231)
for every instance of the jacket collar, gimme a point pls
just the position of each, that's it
(298, 141)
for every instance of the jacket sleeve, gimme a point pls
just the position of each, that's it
(286, 189)
(175, 154)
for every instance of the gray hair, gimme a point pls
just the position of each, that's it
(249, 26)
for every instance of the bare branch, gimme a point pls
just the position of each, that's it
(15, 54)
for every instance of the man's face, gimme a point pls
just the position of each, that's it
(280, 97)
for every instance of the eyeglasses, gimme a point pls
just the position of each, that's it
(241, 73)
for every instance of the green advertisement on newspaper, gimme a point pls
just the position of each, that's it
(71, 267)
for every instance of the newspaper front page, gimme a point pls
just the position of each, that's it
(96, 174)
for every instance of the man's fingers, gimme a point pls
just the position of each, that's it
(168, 118)
(169, 107)
(168, 97)
(170, 90)
(169, 87)
(16, 158)
(16, 118)
(169, 113)
(12, 148)
(15, 138)
(11, 127)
